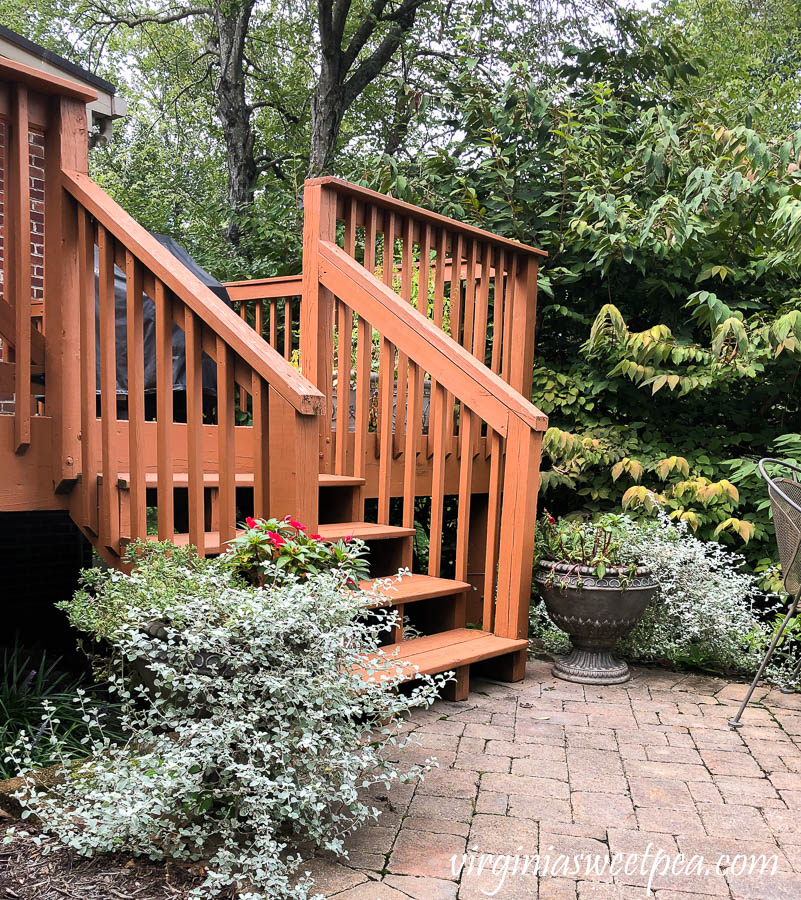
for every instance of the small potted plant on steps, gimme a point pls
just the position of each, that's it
(594, 590)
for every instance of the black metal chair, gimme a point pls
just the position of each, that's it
(785, 503)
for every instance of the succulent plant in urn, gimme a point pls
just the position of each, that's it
(594, 589)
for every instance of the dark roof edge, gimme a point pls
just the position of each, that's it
(56, 60)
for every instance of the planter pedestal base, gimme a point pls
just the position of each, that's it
(591, 667)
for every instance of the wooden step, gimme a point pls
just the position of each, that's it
(446, 651)
(412, 588)
(213, 545)
(181, 479)
(325, 479)
(366, 531)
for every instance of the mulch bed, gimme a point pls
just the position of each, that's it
(26, 873)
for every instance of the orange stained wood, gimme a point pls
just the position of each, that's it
(418, 330)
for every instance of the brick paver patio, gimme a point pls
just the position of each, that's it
(560, 769)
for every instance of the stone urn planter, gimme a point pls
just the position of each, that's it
(594, 611)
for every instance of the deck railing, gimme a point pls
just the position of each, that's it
(271, 306)
(357, 312)
(206, 450)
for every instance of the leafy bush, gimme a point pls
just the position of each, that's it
(284, 547)
(259, 732)
(706, 613)
(28, 688)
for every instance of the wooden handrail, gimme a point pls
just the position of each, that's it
(265, 288)
(424, 215)
(488, 395)
(282, 377)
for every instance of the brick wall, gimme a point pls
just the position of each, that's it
(36, 161)
(41, 554)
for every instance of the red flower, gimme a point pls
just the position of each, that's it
(275, 538)
(551, 520)
(293, 523)
(251, 522)
(315, 537)
(348, 538)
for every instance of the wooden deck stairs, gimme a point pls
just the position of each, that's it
(407, 424)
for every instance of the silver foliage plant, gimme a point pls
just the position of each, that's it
(705, 613)
(258, 739)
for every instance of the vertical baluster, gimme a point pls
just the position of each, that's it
(470, 296)
(18, 190)
(109, 505)
(364, 341)
(225, 441)
(259, 318)
(164, 413)
(413, 412)
(344, 355)
(407, 253)
(194, 429)
(497, 328)
(86, 270)
(439, 306)
(370, 232)
(136, 396)
(274, 322)
(497, 312)
(438, 424)
(508, 318)
(261, 447)
(386, 385)
(243, 311)
(287, 328)
(482, 306)
(425, 273)
(466, 436)
(493, 528)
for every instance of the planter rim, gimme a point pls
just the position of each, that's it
(567, 568)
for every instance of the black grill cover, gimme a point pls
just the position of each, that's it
(178, 344)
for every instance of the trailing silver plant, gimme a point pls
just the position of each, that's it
(252, 732)
(705, 613)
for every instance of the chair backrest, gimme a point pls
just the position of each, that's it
(785, 503)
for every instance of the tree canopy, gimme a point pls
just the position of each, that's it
(654, 154)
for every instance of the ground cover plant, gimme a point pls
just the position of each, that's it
(256, 735)
(31, 685)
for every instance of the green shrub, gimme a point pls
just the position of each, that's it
(28, 688)
(258, 732)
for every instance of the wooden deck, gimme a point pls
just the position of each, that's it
(415, 337)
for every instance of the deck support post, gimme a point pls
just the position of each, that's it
(317, 307)
(66, 147)
(518, 521)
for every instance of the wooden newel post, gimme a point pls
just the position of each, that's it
(523, 324)
(518, 521)
(305, 508)
(317, 306)
(66, 147)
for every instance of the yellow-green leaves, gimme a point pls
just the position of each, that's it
(739, 526)
(631, 467)
(673, 463)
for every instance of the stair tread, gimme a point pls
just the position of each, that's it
(414, 587)
(181, 479)
(367, 531)
(326, 479)
(212, 541)
(446, 650)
